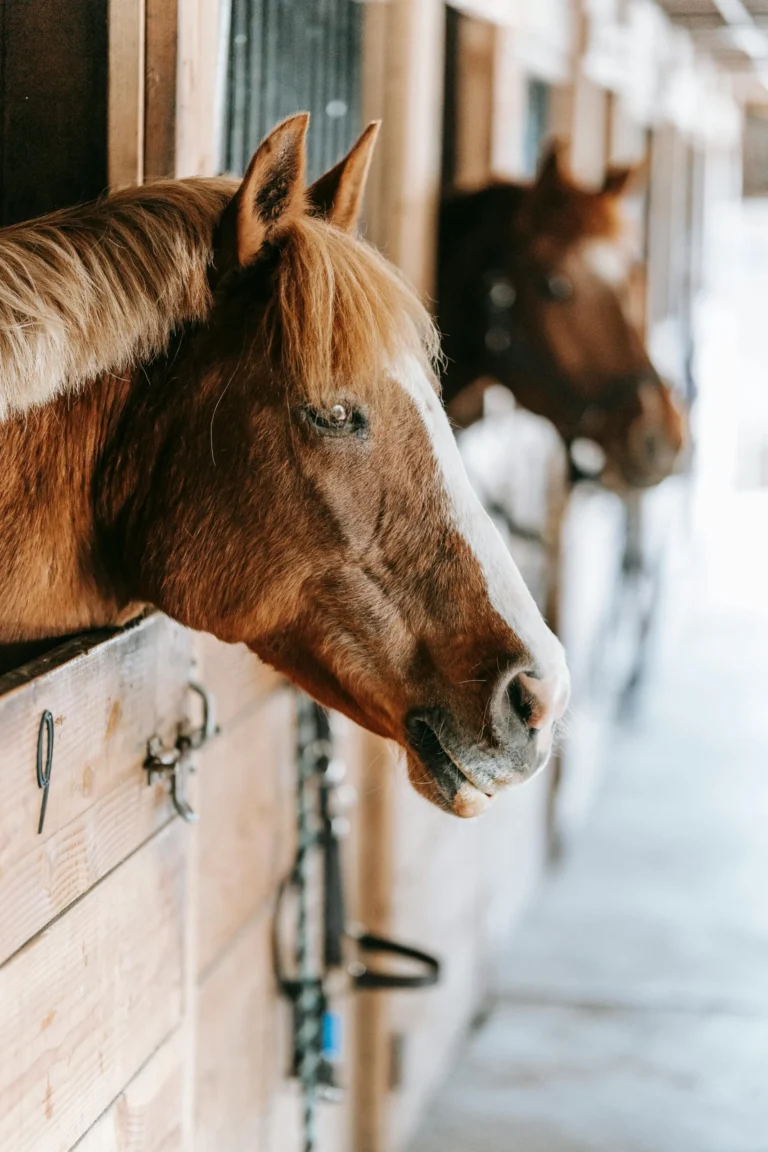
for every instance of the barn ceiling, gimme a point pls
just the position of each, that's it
(735, 32)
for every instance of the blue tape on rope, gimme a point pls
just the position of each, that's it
(332, 1036)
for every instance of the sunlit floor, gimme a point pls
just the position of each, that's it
(633, 1014)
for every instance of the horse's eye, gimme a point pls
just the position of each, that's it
(339, 418)
(558, 287)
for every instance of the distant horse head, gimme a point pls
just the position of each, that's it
(533, 292)
(277, 470)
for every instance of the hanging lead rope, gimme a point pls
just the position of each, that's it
(322, 945)
(308, 1025)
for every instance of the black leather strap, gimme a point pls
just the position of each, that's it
(375, 978)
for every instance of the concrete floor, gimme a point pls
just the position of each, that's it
(633, 1010)
(633, 1014)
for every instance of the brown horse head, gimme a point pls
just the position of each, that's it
(284, 475)
(534, 292)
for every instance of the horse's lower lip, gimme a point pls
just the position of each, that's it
(470, 801)
(459, 793)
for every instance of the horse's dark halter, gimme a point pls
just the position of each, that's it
(509, 346)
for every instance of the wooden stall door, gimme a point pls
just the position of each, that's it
(93, 898)
(138, 1006)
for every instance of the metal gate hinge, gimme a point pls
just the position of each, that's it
(176, 764)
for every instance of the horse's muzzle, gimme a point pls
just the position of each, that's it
(467, 769)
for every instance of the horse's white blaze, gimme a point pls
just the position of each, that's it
(507, 591)
(610, 260)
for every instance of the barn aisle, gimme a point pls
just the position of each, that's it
(633, 1012)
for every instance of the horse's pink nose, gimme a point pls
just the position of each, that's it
(542, 702)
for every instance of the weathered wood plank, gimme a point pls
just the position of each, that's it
(196, 128)
(475, 82)
(85, 1004)
(160, 94)
(125, 104)
(246, 833)
(408, 97)
(380, 781)
(236, 679)
(236, 1034)
(147, 1115)
(106, 703)
(64, 866)
(244, 1098)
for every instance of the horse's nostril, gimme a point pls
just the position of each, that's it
(521, 700)
(537, 702)
(651, 448)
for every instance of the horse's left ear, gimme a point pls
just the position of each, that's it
(272, 191)
(338, 195)
(549, 174)
(620, 179)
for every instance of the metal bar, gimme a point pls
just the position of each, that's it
(238, 92)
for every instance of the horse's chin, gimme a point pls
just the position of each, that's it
(467, 801)
(622, 482)
(614, 480)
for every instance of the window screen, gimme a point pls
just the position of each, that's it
(288, 56)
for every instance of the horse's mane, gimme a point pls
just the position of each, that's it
(342, 312)
(100, 288)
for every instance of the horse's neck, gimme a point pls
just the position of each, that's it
(53, 577)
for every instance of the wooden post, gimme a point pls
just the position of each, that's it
(475, 102)
(510, 106)
(125, 103)
(403, 70)
(198, 48)
(161, 81)
(403, 59)
(375, 890)
(580, 113)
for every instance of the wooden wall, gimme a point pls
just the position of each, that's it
(402, 86)
(138, 1008)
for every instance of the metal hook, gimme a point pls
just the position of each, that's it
(44, 774)
(172, 764)
(178, 792)
(209, 727)
(175, 764)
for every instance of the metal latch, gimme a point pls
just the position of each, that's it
(175, 764)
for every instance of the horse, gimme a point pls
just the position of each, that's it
(219, 402)
(533, 292)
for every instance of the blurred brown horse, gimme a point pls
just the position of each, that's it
(533, 292)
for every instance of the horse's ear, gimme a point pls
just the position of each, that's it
(621, 178)
(271, 193)
(550, 173)
(338, 195)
